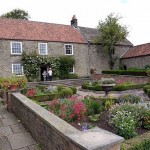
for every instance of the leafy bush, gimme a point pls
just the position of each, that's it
(93, 107)
(120, 87)
(74, 90)
(97, 87)
(146, 119)
(141, 142)
(73, 76)
(69, 109)
(145, 88)
(107, 81)
(135, 110)
(129, 98)
(124, 123)
(60, 87)
(65, 92)
(148, 92)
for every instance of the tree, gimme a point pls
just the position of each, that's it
(110, 34)
(16, 14)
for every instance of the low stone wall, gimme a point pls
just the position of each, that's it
(67, 82)
(54, 133)
(122, 78)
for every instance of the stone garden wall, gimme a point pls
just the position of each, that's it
(55, 134)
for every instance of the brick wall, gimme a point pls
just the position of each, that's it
(55, 134)
(122, 78)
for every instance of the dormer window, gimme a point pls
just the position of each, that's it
(42, 48)
(16, 47)
(68, 49)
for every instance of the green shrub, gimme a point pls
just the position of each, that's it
(129, 98)
(146, 119)
(65, 92)
(44, 97)
(60, 87)
(74, 90)
(73, 76)
(134, 109)
(141, 142)
(97, 87)
(148, 92)
(93, 107)
(120, 87)
(124, 124)
(85, 85)
(145, 88)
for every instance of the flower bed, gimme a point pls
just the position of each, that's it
(126, 116)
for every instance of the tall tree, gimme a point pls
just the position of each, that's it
(111, 32)
(16, 14)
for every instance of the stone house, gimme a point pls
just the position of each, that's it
(51, 39)
(137, 56)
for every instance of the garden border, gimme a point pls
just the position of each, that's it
(54, 133)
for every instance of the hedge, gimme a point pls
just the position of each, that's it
(141, 142)
(126, 72)
(44, 97)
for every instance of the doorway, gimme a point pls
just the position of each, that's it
(42, 70)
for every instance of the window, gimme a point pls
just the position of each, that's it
(71, 69)
(16, 47)
(42, 48)
(68, 49)
(17, 69)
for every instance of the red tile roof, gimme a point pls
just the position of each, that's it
(137, 51)
(15, 29)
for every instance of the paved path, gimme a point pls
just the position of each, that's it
(13, 136)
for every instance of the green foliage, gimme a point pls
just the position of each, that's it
(65, 92)
(94, 117)
(124, 124)
(108, 103)
(141, 142)
(124, 87)
(145, 88)
(14, 82)
(129, 98)
(107, 81)
(93, 107)
(60, 87)
(74, 90)
(69, 109)
(16, 14)
(146, 119)
(148, 92)
(65, 64)
(73, 76)
(111, 32)
(60, 65)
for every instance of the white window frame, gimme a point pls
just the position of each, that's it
(72, 69)
(65, 49)
(45, 49)
(12, 47)
(13, 72)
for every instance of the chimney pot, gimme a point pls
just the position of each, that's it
(74, 21)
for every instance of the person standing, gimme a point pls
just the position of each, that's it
(44, 75)
(50, 73)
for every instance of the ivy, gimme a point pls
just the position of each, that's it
(32, 63)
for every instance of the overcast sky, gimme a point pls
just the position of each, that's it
(135, 13)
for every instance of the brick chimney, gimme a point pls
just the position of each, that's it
(74, 21)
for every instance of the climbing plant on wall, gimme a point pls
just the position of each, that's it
(60, 65)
